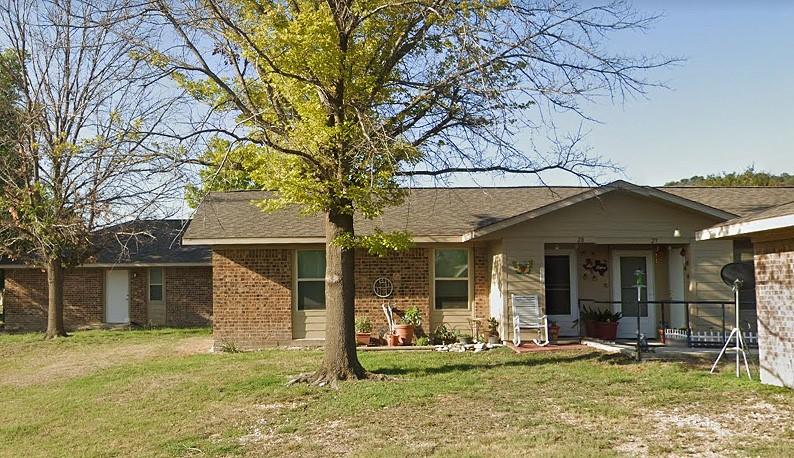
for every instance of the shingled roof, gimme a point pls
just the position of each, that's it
(441, 213)
(148, 242)
(145, 242)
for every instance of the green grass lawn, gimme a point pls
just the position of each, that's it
(160, 393)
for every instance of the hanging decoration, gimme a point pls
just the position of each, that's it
(594, 268)
(523, 267)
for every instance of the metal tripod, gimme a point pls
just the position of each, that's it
(737, 334)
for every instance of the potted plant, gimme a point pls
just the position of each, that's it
(601, 324)
(363, 330)
(392, 339)
(465, 339)
(492, 332)
(411, 320)
(554, 331)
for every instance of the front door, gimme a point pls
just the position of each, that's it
(117, 294)
(626, 264)
(560, 283)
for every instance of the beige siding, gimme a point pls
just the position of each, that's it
(156, 313)
(616, 217)
(705, 284)
(308, 324)
(521, 251)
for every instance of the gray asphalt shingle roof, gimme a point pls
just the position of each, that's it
(437, 211)
(148, 242)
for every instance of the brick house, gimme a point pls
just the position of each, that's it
(474, 248)
(771, 232)
(140, 275)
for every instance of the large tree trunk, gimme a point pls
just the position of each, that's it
(55, 299)
(340, 361)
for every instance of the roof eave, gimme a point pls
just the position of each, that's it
(303, 240)
(745, 228)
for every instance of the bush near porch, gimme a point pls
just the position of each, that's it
(160, 393)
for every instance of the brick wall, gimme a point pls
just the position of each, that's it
(482, 284)
(188, 296)
(26, 299)
(253, 299)
(139, 313)
(409, 274)
(252, 296)
(774, 271)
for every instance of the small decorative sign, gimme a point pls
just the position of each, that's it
(523, 267)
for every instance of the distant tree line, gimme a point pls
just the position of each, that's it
(749, 177)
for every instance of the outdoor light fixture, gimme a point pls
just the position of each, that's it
(677, 233)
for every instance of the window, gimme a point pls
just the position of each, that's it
(156, 285)
(311, 280)
(451, 279)
(558, 285)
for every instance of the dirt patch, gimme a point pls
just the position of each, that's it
(705, 433)
(64, 363)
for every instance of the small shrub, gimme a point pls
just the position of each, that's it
(422, 341)
(413, 317)
(363, 324)
(229, 347)
(443, 336)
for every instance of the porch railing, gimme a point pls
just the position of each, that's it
(693, 337)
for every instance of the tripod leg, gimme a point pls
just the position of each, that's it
(722, 352)
(744, 355)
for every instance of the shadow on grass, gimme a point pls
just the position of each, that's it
(518, 362)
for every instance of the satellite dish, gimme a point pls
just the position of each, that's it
(743, 271)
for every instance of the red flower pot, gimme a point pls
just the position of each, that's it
(392, 340)
(405, 332)
(362, 338)
(607, 330)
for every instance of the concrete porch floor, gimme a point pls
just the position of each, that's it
(661, 351)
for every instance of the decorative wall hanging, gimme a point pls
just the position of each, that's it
(594, 267)
(523, 267)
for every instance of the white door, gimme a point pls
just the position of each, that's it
(624, 290)
(560, 284)
(117, 297)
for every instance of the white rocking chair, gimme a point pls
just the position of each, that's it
(527, 315)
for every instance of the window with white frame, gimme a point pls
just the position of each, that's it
(451, 282)
(156, 283)
(311, 280)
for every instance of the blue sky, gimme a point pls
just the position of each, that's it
(730, 104)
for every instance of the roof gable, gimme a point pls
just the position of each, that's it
(595, 193)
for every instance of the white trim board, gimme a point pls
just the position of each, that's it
(746, 227)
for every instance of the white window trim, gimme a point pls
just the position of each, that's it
(149, 285)
(468, 278)
(298, 280)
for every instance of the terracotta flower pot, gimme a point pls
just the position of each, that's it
(362, 338)
(606, 330)
(660, 333)
(590, 329)
(392, 340)
(554, 332)
(405, 332)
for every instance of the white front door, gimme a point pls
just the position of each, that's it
(560, 284)
(117, 297)
(624, 291)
